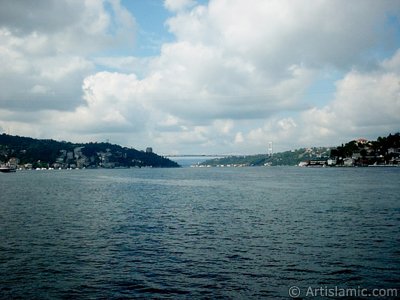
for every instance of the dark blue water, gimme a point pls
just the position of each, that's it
(197, 233)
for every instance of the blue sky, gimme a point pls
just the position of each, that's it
(150, 16)
(187, 76)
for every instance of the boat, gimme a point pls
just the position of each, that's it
(312, 163)
(7, 169)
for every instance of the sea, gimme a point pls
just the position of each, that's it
(200, 233)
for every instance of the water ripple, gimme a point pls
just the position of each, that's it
(187, 233)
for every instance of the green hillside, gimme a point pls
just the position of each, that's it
(49, 153)
(287, 158)
(361, 152)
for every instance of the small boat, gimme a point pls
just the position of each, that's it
(312, 163)
(7, 169)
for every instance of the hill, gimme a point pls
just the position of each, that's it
(287, 158)
(384, 151)
(35, 153)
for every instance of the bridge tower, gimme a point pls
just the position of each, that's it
(270, 149)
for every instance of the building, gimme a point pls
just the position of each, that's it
(362, 141)
(348, 162)
(13, 162)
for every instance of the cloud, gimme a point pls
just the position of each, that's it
(366, 103)
(178, 5)
(112, 104)
(41, 15)
(277, 34)
(236, 76)
(46, 48)
(200, 83)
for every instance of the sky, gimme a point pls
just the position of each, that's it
(200, 77)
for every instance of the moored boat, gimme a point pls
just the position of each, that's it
(7, 169)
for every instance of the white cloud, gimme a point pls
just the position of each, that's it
(178, 5)
(275, 34)
(235, 78)
(45, 49)
(239, 139)
(224, 126)
(112, 103)
(40, 89)
(366, 103)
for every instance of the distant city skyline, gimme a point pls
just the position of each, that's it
(201, 77)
